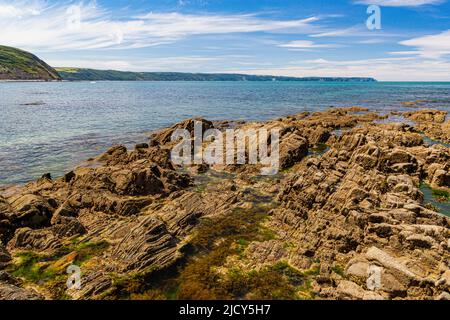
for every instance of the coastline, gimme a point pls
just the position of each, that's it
(327, 216)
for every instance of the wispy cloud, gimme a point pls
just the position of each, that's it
(8, 11)
(388, 69)
(400, 3)
(178, 63)
(352, 31)
(55, 27)
(431, 46)
(305, 44)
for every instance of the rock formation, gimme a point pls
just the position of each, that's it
(350, 222)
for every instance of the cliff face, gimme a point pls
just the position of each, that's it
(16, 64)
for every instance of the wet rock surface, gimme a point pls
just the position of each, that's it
(350, 222)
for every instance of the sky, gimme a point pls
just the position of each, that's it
(390, 40)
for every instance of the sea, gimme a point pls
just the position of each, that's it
(50, 127)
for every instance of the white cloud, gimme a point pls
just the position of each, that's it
(373, 41)
(57, 28)
(387, 69)
(9, 11)
(404, 53)
(304, 44)
(353, 31)
(400, 3)
(431, 46)
(178, 63)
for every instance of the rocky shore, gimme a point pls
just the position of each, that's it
(347, 208)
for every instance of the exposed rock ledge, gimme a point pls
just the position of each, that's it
(330, 219)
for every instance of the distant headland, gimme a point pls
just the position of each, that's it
(19, 65)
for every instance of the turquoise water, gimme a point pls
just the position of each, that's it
(442, 206)
(50, 127)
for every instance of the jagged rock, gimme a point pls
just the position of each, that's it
(67, 227)
(420, 241)
(30, 210)
(398, 161)
(398, 269)
(317, 135)
(293, 148)
(114, 155)
(68, 177)
(183, 212)
(350, 290)
(174, 181)
(6, 278)
(358, 269)
(142, 146)
(358, 205)
(427, 115)
(5, 257)
(436, 131)
(392, 285)
(94, 283)
(28, 239)
(383, 230)
(148, 244)
(6, 229)
(65, 210)
(136, 182)
(12, 292)
(137, 179)
(444, 280)
(441, 178)
(164, 136)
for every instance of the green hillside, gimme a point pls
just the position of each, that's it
(16, 64)
(77, 74)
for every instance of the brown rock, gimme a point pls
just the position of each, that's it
(28, 239)
(12, 292)
(427, 115)
(293, 148)
(5, 257)
(148, 244)
(30, 210)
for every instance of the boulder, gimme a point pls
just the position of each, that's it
(28, 239)
(398, 269)
(293, 148)
(136, 182)
(348, 290)
(357, 269)
(114, 155)
(441, 178)
(148, 244)
(30, 210)
(398, 161)
(165, 136)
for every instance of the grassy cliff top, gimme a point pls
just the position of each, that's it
(16, 64)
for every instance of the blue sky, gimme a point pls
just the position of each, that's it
(276, 37)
